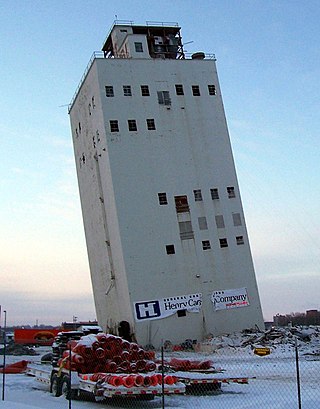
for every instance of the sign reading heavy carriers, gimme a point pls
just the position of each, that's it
(105, 366)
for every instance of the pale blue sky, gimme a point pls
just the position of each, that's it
(268, 59)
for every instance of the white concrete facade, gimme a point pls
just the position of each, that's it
(173, 145)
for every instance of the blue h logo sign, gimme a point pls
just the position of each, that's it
(147, 310)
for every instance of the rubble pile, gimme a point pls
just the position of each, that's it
(280, 339)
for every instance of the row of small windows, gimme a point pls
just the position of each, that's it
(206, 245)
(132, 125)
(186, 231)
(163, 96)
(181, 202)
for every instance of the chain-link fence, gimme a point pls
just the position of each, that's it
(221, 375)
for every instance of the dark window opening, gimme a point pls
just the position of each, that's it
(132, 125)
(197, 195)
(181, 203)
(223, 243)
(138, 47)
(206, 245)
(162, 198)
(239, 240)
(145, 90)
(231, 192)
(127, 91)
(124, 331)
(109, 91)
(114, 126)
(151, 126)
(212, 89)
(196, 90)
(182, 313)
(214, 194)
(164, 98)
(170, 249)
(179, 89)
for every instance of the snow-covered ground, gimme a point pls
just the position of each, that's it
(272, 380)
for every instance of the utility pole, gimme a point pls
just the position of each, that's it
(4, 352)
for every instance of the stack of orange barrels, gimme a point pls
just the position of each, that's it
(103, 357)
(107, 353)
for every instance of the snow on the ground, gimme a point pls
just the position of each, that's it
(272, 379)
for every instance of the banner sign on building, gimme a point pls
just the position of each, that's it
(226, 299)
(157, 309)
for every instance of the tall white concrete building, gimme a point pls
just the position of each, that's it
(167, 242)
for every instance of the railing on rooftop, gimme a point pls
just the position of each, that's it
(162, 24)
(101, 54)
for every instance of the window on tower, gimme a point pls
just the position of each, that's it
(164, 98)
(170, 249)
(219, 221)
(151, 126)
(214, 194)
(197, 195)
(109, 91)
(223, 243)
(138, 47)
(127, 91)
(212, 89)
(206, 245)
(236, 219)
(132, 125)
(182, 313)
(231, 192)
(163, 198)
(179, 89)
(202, 221)
(185, 229)
(114, 126)
(145, 90)
(239, 240)
(181, 203)
(196, 90)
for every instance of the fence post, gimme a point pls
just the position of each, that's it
(162, 377)
(4, 353)
(69, 384)
(298, 373)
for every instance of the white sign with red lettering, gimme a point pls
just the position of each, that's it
(227, 299)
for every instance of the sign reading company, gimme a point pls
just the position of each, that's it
(157, 309)
(226, 299)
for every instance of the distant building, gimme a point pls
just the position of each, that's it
(310, 317)
(166, 236)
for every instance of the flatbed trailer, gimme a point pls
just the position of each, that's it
(72, 385)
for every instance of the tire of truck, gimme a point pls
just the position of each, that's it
(70, 394)
(55, 385)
